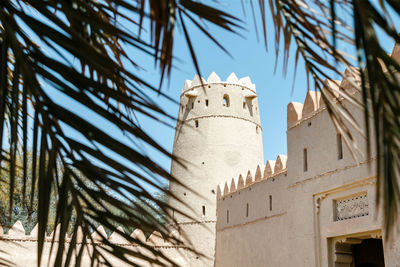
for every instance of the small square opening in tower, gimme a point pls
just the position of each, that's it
(226, 101)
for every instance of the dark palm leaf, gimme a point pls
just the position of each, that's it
(78, 49)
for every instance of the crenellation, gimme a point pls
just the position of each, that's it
(197, 81)
(351, 81)
(155, 239)
(187, 85)
(294, 112)
(280, 163)
(17, 233)
(269, 168)
(311, 103)
(139, 235)
(226, 189)
(232, 78)
(314, 102)
(213, 78)
(56, 233)
(17, 230)
(331, 87)
(258, 176)
(246, 81)
(117, 238)
(233, 185)
(189, 88)
(220, 190)
(21, 250)
(249, 178)
(99, 234)
(241, 183)
(35, 231)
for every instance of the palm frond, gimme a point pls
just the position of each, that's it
(78, 50)
(318, 29)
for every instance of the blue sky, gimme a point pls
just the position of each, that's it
(250, 58)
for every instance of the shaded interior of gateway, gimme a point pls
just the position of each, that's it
(364, 251)
(369, 253)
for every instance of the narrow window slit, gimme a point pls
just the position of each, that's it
(204, 210)
(270, 202)
(247, 209)
(196, 122)
(339, 146)
(305, 160)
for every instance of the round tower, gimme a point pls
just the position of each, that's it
(218, 135)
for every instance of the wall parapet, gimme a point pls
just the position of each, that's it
(156, 239)
(314, 102)
(189, 88)
(271, 169)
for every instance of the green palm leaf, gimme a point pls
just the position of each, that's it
(317, 29)
(78, 49)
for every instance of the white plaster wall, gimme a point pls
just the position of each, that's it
(227, 140)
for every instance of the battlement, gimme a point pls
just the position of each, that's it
(232, 79)
(314, 103)
(156, 239)
(271, 169)
(212, 98)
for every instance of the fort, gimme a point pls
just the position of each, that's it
(317, 206)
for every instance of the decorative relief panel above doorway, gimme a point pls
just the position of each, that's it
(351, 207)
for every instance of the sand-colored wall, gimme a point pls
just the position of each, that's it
(20, 250)
(250, 238)
(307, 231)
